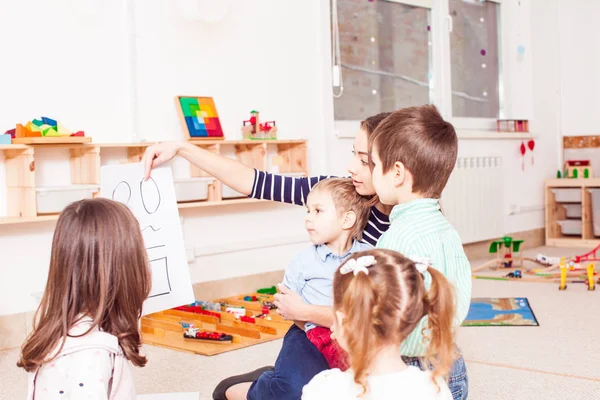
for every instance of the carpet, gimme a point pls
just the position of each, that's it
(514, 311)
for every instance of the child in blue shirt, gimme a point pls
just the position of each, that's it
(335, 219)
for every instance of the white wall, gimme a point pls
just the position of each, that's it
(70, 63)
(579, 65)
(580, 82)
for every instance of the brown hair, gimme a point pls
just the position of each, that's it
(385, 306)
(419, 138)
(346, 198)
(370, 124)
(98, 267)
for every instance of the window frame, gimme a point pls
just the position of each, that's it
(348, 128)
(475, 123)
(440, 67)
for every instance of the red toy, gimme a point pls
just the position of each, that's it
(253, 129)
(194, 333)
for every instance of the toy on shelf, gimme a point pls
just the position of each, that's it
(199, 117)
(46, 131)
(252, 128)
(575, 169)
(512, 125)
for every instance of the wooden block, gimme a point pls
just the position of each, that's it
(248, 305)
(280, 326)
(246, 332)
(187, 316)
(215, 191)
(257, 327)
(85, 165)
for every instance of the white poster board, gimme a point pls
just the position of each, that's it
(154, 205)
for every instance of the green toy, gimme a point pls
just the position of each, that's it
(270, 290)
(506, 247)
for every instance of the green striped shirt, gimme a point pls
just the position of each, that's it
(419, 229)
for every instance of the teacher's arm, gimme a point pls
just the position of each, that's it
(240, 177)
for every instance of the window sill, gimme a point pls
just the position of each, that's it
(480, 134)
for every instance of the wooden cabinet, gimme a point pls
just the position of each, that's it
(570, 212)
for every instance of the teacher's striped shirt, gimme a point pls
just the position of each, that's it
(295, 190)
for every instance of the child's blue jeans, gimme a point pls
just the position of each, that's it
(299, 361)
(458, 381)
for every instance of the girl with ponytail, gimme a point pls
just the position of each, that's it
(379, 298)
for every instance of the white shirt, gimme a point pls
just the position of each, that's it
(409, 384)
(88, 367)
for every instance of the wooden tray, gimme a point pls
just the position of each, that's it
(164, 328)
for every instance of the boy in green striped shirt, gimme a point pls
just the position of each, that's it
(413, 152)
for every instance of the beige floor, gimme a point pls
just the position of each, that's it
(560, 359)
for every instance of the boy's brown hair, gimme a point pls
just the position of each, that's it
(346, 198)
(423, 141)
(99, 268)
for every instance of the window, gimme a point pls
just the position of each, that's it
(385, 57)
(389, 54)
(474, 58)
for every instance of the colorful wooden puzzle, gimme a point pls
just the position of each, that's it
(199, 117)
(173, 328)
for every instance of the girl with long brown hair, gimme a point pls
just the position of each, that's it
(86, 327)
(379, 298)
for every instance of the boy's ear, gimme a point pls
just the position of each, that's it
(399, 172)
(349, 220)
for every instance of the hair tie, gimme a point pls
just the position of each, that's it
(356, 265)
(421, 263)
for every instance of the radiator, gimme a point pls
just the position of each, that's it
(473, 200)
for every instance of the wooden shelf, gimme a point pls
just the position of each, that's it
(49, 141)
(146, 144)
(555, 211)
(13, 147)
(25, 220)
(190, 205)
(287, 156)
(591, 182)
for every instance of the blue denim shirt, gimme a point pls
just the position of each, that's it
(310, 273)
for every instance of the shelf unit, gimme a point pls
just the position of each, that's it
(288, 156)
(555, 211)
